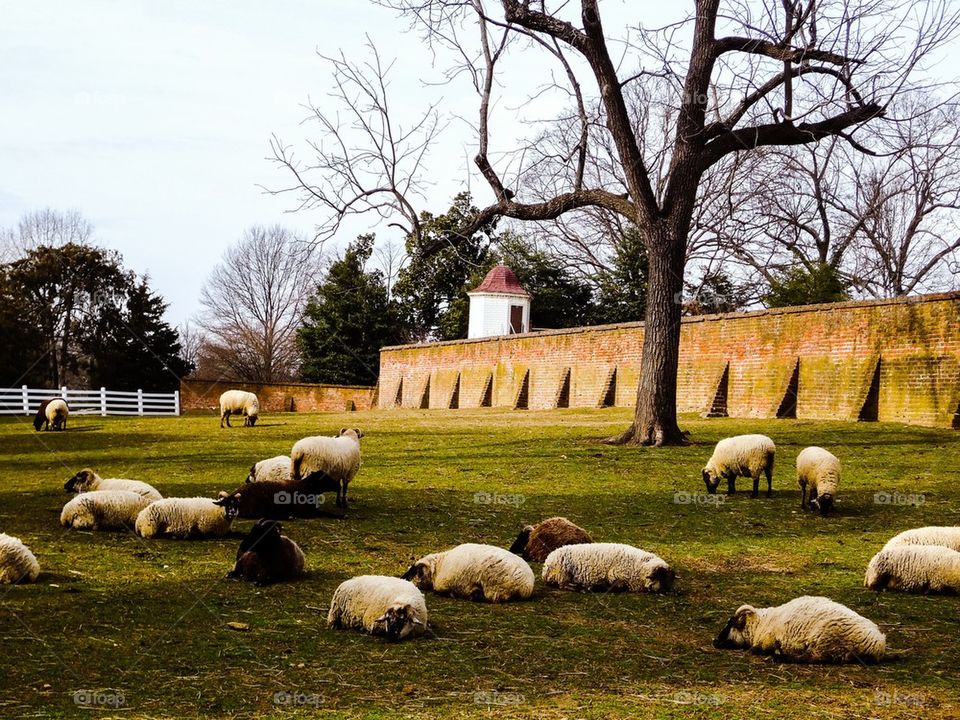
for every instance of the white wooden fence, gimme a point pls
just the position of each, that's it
(25, 401)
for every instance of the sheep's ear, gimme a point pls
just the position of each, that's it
(740, 618)
(705, 475)
(410, 573)
(221, 501)
(382, 618)
(359, 433)
(342, 431)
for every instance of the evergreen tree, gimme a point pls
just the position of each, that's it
(821, 283)
(622, 293)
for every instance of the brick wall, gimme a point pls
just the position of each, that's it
(287, 397)
(903, 355)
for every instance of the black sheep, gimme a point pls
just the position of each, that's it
(265, 556)
(279, 499)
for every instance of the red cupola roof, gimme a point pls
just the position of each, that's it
(503, 280)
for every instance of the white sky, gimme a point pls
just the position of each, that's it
(153, 118)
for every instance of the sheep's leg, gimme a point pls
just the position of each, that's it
(803, 496)
(756, 485)
(768, 471)
(731, 484)
(813, 498)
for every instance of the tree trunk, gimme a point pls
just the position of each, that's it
(655, 417)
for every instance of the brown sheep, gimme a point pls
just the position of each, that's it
(535, 542)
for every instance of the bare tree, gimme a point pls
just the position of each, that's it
(47, 228)
(192, 340)
(745, 76)
(252, 304)
(389, 258)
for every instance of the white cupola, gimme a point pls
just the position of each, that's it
(499, 305)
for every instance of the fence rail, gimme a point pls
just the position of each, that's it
(25, 401)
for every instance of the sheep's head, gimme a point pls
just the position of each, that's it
(252, 475)
(824, 503)
(422, 571)
(659, 577)
(711, 479)
(230, 505)
(355, 433)
(81, 481)
(519, 546)
(399, 621)
(736, 633)
(320, 482)
(265, 530)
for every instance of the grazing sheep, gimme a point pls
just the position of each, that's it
(52, 414)
(103, 510)
(275, 468)
(948, 536)
(277, 500)
(535, 542)
(607, 567)
(184, 518)
(474, 572)
(915, 569)
(379, 605)
(807, 629)
(239, 402)
(87, 480)
(740, 456)
(819, 470)
(17, 563)
(337, 456)
(265, 556)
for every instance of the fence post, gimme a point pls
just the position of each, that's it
(63, 393)
(103, 402)
(26, 400)
(140, 401)
(176, 403)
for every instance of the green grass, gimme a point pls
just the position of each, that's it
(149, 619)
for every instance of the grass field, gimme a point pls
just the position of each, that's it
(115, 615)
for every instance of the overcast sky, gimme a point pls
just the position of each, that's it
(153, 119)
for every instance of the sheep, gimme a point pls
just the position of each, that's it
(807, 629)
(740, 456)
(87, 480)
(103, 510)
(338, 456)
(535, 542)
(915, 569)
(239, 402)
(265, 556)
(184, 518)
(277, 500)
(275, 468)
(379, 605)
(948, 536)
(607, 567)
(17, 563)
(474, 572)
(819, 470)
(53, 414)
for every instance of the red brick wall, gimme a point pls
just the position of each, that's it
(295, 397)
(916, 340)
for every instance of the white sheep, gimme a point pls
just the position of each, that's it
(947, 536)
(338, 456)
(17, 563)
(275, 468)
(474, 572)
(184, 518)
(87, 481)
(807, 629)
(52, 414)
(740, 456)
(103, 510)
(607, 566)
(818, 470)
(379, 605)
(239, 402)
(915, 569)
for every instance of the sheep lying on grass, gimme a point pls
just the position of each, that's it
(740, 456)
(279, 500)
(807, 629)
(275, 468)
(607, 567)
(265, 556)
(17, 563)
(184, 518)
(379, 605)
(535, 542)
(947, 536)
(818, 470)
(338, 456)
(239, 402)
(52, 415)
(87, 481)
(103, 510)
(915, 569)
(474, 572)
